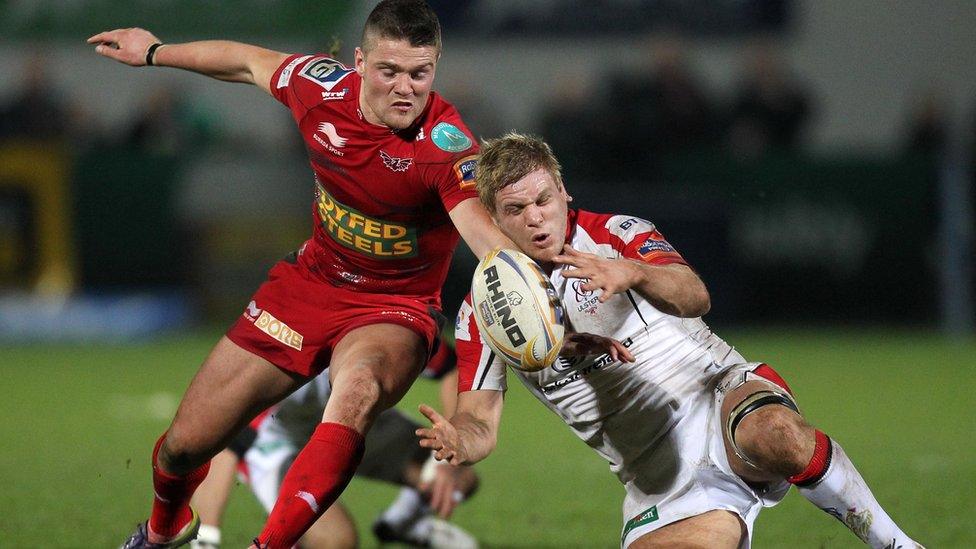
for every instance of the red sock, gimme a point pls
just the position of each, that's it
(819, 463)
(319, 474)
(171, 504)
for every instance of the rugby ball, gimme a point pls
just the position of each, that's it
(517, 311)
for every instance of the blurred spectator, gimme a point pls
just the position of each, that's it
(38, 110)
(928, 124)
(658, 113)
(771, 108)
(168, 125)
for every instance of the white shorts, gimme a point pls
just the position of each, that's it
(705, 481)
(390, 446)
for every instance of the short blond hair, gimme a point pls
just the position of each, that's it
(506, 159)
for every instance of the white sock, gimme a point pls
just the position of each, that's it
(842, 493)
(405, 508)
(207, 538)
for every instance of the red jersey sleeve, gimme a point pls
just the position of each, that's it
(303, 80)
(449, 170)
(478, 367)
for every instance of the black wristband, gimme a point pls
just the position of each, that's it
(152, 52)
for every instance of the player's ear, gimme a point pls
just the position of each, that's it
(360, 58)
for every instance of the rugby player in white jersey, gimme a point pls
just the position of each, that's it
(619, 278)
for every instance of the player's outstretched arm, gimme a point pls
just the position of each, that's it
(220, 59)
(470, 435)
(477, 229)
(674, 289)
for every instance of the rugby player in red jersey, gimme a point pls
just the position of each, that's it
(393, 165)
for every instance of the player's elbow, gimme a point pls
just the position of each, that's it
(697, 301)
(703, 302)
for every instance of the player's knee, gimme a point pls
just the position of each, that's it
(763, 429)
(178, 457)
(357, 394)
(776, 439)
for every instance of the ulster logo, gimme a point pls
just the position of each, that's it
(395, 164)
(581, 294)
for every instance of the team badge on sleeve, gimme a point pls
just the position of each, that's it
(655, 244)
(450, 138)
(325, 72)
(464, 170)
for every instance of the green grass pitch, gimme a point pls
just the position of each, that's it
(78, 424)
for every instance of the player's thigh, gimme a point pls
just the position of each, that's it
(372, 367)
(712, 530)
(335, 529)
(230, 388)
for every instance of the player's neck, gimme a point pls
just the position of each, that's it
(368, 115)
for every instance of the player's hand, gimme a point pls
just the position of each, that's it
(583, 344)
(610, 276)
(442, 437)
(443, 490)
(127, 46)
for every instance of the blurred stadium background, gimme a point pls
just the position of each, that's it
(812, 159)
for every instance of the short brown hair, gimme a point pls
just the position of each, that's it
(507, 159)
(410, 20)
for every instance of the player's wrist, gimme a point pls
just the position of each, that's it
(151, 53)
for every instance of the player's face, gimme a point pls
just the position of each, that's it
(532, 212)
(396, 81)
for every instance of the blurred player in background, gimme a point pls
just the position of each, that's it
(393, 165)
(270, 443)
(618, 277)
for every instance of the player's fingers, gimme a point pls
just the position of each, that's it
(573, 273)
(435, 495)
(590, 284)
(565, 260)
(624, 352)
(570, 250)
(107, 36)
(431, 414)
(445, 500)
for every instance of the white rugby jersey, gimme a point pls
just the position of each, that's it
(626, 412)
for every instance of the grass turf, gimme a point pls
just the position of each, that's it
(78, 424)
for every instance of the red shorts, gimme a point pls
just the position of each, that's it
(294, 321)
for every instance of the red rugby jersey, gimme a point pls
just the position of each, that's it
(381, 196)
